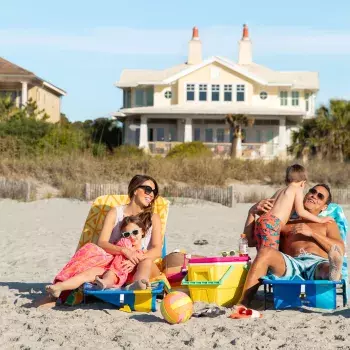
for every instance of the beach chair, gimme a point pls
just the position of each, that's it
(131, 300)
(315, 293)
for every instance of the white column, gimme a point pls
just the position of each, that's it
(282, 138)
(188, 130)
(143, 133)
(24, 93)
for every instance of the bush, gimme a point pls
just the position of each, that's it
(189, 150)
(128, 151)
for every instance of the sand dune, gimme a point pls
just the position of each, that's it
(38, 238)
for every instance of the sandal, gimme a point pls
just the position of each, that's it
(209, 312)
(200, 242)
(243, 312)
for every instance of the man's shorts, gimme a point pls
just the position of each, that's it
(302, 267)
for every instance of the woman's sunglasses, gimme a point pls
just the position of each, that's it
(320, 196)
(149, 190)
(127, 234)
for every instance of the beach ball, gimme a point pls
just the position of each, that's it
(176, 307)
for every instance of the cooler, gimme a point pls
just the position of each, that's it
(218, 280)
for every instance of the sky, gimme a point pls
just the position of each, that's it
(83, 46)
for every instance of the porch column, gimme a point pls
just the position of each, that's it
(188, 130)
(143, 133)
(282, 138)
(24, 93)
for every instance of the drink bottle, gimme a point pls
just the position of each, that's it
(243, 245)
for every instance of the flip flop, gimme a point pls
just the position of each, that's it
(209, 312)
(200, 242)
(243, 312)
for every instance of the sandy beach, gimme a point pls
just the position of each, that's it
(38, 238)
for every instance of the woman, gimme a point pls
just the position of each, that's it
(93, 260)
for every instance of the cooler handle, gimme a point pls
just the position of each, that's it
(185, 282)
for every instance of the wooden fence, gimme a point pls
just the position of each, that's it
(16, 189)
(226, 196)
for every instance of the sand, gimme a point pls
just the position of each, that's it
(38, 238)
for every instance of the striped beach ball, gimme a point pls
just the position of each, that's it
(176, 307)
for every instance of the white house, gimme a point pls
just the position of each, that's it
(189, 102)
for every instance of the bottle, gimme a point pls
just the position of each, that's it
(243, 245)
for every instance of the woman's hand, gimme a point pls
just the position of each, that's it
(127, 266)
(132, 255)
(262, 206)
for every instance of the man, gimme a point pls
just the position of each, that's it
(307, 250)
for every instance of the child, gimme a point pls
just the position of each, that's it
(132, 232)
(268, 226)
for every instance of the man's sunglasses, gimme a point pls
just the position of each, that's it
(320, 196)
(149, 190)
(127, 234)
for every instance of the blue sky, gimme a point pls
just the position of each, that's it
(82, 46)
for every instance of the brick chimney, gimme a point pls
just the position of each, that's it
(245, 54)
(194, 48)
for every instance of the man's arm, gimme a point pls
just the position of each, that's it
(326, 242)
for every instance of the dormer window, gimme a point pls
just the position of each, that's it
(167, 94)
(295, 98)
(203, 92)
(240, 93)
(190, 92)
(215, 92)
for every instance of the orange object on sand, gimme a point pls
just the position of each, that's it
(243, 312)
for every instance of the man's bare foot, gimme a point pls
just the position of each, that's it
(335, 258)
(53, 290)
(137, 285)
(100, 283)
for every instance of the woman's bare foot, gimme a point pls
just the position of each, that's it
(137, 285)
(101, 283)
(53, 290)
(335, 258)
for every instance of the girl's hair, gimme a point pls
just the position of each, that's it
(135, 183)
(134, 219)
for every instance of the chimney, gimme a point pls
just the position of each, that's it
(245, 48)
(194, 48)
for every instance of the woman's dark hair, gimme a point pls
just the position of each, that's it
(295, 173)
(329, 199)
(133, 219)
(135, 183)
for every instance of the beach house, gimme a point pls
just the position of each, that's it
(23, 85)
(189, 102)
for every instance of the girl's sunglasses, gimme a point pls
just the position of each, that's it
(320, 196)
(127, 234)
(149, 190)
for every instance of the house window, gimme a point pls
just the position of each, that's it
(295, 98)
(240, 93)
(197, 134)
(263, 95)
(307, 102)
(139, 97)
(220, 135)
(283, 98)
(190, 92)
(228, 93)
(202, 92)
(160, 134)
(127, 98)
(172, 134)
(208, 135)
(149, 96)
(167, 94)
(215, 92)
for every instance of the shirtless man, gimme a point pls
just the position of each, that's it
(307, 250)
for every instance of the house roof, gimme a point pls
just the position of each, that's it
(260, 74)
(9, 68)
(209, 109)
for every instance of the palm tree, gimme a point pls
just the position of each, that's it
(236, 122)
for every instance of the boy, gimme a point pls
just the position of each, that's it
(288, 199)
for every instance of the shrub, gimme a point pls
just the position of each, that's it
(128, 151)
(189, 150)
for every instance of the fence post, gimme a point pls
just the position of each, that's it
(27, 187)
(87, 191)
(233, 197)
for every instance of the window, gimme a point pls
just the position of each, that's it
(150, 134)
(240, 93)
(149, 96)
(190, 92)
(172, 134)
(220, 135)
(263, 95)
(197, 134)
(228, 93)
(167, 94)
(208, 135)
(295, 98)
(215, 92)
(202, 92)
(139, 97)
(283, 98)
(307, 102)
(160, 134)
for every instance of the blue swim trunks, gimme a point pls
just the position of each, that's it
(302, 267)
